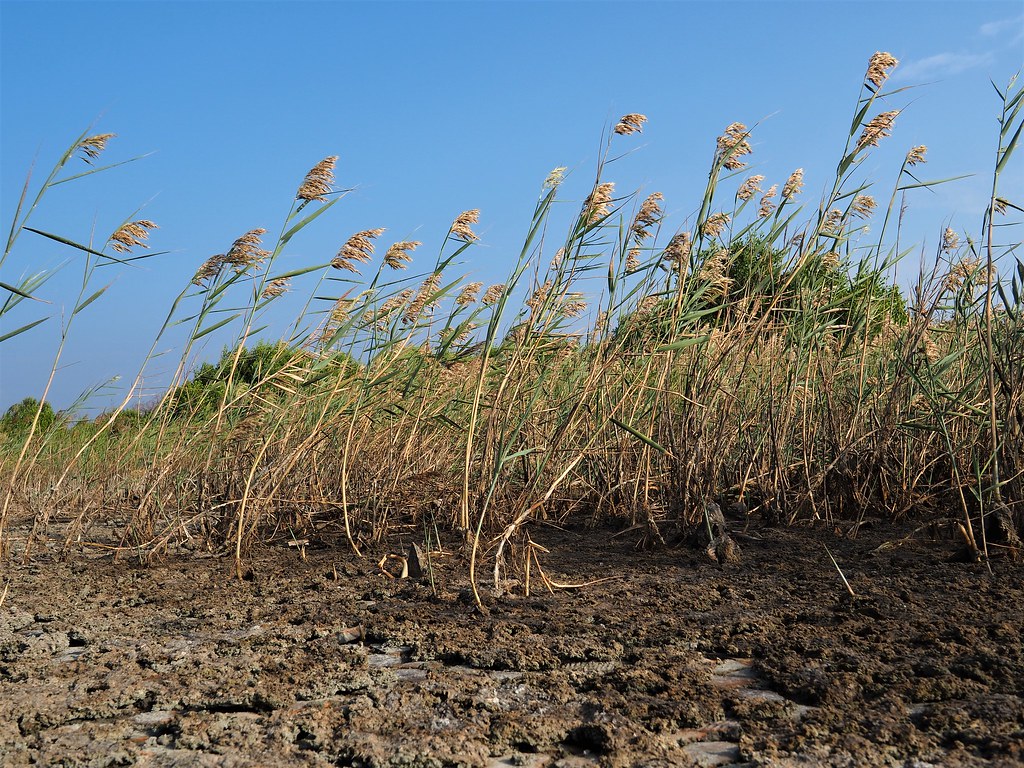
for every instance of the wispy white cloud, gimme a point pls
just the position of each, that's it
(942, 65)
(995, 28)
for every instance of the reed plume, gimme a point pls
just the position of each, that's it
(92, 146)
(398, 256)
(878, 68)
(131, 235)
(357, 249)
(317, 184)
(629, 124)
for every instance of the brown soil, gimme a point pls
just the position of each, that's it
(672, 662)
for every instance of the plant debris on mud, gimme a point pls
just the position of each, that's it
(324, 659)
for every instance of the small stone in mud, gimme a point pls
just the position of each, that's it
(154, 717)
(712, 753)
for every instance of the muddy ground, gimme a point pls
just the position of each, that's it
(328, 661)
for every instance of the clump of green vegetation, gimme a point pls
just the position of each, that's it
(20, 417)
(762, 354)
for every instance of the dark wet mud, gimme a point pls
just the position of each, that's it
(671, 661)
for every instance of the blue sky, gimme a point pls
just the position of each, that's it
(436, 108)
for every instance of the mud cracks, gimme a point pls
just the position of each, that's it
(675, 662)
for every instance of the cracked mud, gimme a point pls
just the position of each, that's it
(673, 662)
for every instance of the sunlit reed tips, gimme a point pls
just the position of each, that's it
(863, 206)
(732, 145)
(879, 127)
(357, 249)
(131, 235)
(950, 240)
(767, 205)
(916, 155)
(275, 288)
(246, 251)
(678, 249)
(714, 272)
(555, 178)
(461, 226)
(92, 146)
(468, 294)
(492, 294)
(633, 260)
(317, 184)
(598, 204)
(398, 256)
(794, 184)
(648, 216)
(878, 68)
(750, 187)
(715, 224)
(631, 123)
(423, 300)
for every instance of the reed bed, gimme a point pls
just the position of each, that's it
(761, 356)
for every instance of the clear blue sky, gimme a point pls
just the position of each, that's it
(435, 108)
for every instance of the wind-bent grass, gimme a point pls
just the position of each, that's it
(757, 356)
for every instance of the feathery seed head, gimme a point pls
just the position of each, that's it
(878, 68)
(917, 155)
(459, 334)
(92, 146)
(999, 206)
(750, 187)
(398, 256)
(678, 249)
(572, 305)
(631, 123)
(863, 206)
(633, 260)
(767, 206)
(929, 348)
(383, 314)
(599, 202)
(960, 273)
(423, 300)
(715, 224)
(878, 128)
(732, 145)
(832, 224)
(275, 288)
(492, 294)
(714, 272)
(539, 295)
(341, 310)
(210, 268)
(647, 217)
(131, 234)
(358, 248)
(317, 184)
(794, 184)
(950, 240)
(468, 294)
(461, 228)
(246, 251)
(555, 178)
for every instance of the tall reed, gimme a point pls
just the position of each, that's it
(621, 372)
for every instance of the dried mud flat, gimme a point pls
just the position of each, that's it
(673, 662)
